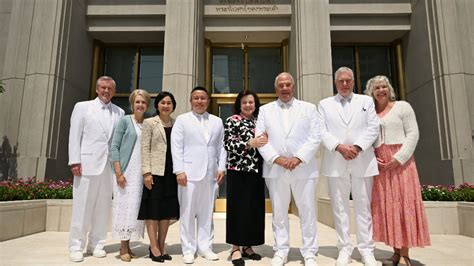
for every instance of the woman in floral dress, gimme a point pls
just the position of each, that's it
(398, 214)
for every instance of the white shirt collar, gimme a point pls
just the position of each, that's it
(348, 98)
(287, 104)
(205, 115)
(103, 105)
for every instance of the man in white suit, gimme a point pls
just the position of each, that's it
(290, 166)
(92, 123)
(199, 157)
(349, 128)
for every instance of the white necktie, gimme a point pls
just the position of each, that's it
(205, 129)
(285, 109)
(346, 108)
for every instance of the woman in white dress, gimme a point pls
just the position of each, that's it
(126, 158)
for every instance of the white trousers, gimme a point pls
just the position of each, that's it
(91, 207)
(303, 191)
(361, 189)
(196, 209)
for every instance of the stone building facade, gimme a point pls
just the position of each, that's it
(51, 52)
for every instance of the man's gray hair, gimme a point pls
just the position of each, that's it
(343, 69)
(105, 78)
(284, 73)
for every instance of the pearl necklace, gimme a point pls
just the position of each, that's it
(139, 125)
(167, 124)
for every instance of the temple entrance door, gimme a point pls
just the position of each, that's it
(231, 68)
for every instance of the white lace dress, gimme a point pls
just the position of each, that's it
(126, 202)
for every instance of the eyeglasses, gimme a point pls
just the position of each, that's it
(342, 81)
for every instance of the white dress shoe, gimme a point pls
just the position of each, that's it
(98, 253)
(343, 259)
(209, 255)
(278, 260)
(76, 256)
(369, 260)
(310, 261)
(188, 258)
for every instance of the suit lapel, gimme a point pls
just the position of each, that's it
(356, 108)
(114, 117)
(209, 128)
(160, 127)
(293, 115)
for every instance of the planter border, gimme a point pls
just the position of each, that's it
(26, 217)
(444, 217)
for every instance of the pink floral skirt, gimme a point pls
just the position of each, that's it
(398, 214)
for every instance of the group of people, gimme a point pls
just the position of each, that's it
(166, 169)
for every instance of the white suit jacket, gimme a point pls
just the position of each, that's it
(360, 128)
(301, 140)
(190, 151)
(89, 137)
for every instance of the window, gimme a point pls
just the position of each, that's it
(134, 67)
(235, 69)
(366, 61)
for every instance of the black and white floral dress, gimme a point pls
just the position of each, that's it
(245, 223)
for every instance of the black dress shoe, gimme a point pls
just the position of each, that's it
(156, 258)
(167, 257)
(253, 256)
(239, 261)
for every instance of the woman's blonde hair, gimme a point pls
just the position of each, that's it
(143, 93)
(369, 88)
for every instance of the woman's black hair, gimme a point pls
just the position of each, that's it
(161, 96)
(242, 94)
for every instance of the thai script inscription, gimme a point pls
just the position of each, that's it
(246, 9)
(247, 2)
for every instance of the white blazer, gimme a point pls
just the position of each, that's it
(361, 128)
(89, 137)
(190, 151)
(301, 140)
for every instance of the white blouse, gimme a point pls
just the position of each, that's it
(399, 126)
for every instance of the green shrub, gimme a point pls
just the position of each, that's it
(30, 189)
(464, 192)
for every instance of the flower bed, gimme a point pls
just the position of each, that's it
(30, 189)
(464, 192)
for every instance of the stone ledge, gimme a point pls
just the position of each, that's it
(22, 218)
(444, 217)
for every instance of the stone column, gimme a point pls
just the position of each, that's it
(45, 72)
(183, 62)
(310, 50)
(439, 73)
(310, 57)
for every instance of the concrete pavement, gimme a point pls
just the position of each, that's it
(50, 248)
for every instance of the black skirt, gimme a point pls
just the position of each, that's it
(161, 202)
(245, 223)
